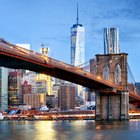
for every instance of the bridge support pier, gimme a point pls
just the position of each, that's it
(112, 106)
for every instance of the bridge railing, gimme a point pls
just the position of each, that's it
(19, 51)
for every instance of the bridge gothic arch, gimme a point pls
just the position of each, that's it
(117, 74)
(106, 72)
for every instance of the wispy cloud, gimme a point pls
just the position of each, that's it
(106, 9)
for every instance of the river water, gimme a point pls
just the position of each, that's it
(70, 130)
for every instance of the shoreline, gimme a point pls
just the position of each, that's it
(59, 119)
(34, 119)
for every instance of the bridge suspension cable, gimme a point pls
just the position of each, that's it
(131, 74)
(100, 62)
(83, 64)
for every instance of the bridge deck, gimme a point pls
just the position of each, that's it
(19, 58)
(13, 56)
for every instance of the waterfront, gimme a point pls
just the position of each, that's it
(70, 130)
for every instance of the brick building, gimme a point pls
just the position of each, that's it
(35, 100)
(66, 96)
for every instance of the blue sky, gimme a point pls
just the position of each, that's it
(49, 21)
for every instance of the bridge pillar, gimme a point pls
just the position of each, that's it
(112, 106)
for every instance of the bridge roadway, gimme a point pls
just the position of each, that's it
(12, 56)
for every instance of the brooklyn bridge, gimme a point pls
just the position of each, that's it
(108, 77)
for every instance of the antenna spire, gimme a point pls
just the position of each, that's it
(77, 15)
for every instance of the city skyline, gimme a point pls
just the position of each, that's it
(49, 22)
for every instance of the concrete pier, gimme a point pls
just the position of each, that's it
(112, 106)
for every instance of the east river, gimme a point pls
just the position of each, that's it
(70, 130)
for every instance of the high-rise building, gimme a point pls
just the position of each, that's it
(111, 41)
(29, 80)
(43, 84)
(43, 81)
(3, 88)
(35, 100)
(26, 88)
(66, 96)
(15, 88)
(77, 43)
(78, 47)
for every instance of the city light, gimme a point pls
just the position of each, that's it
(98, 77)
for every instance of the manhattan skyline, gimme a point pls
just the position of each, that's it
(49, 22)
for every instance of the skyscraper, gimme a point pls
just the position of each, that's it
(43, 81)
(3, 88)
(15, 87)
(78, 47)
(111, 41)
(77, 43)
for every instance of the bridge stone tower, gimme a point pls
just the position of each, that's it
(110, 103)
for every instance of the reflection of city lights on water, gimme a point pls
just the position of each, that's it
(102, 137)
(134, 120)
(134, 124)
(98, 127)
(47, 128)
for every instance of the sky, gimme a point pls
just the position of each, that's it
(49, 21)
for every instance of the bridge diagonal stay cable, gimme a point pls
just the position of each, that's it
(83, 64)
(129, 70)
(103, 61)
(97, 63)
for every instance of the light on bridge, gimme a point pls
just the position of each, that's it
(98, 77)
(46, 59)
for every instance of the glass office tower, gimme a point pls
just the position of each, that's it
(77, 43)
(111, 41)
(78, 48)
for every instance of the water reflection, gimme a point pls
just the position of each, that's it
(112, 125)
(69, 130)
(42, 128)
(135, 124)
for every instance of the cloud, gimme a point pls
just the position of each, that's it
(124, 14)
(111, 9)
